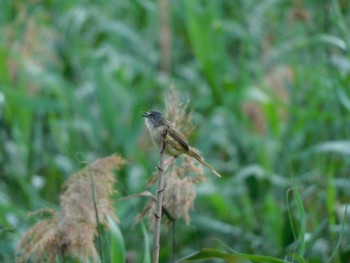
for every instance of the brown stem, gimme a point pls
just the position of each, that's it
(159, 202)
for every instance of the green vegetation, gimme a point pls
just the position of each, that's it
(268, 82)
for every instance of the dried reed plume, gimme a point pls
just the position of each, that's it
(176, 113)
(71, 231)
(179, 191)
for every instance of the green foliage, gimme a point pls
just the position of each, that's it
(117, 246)
(74, 76)
(209, 253)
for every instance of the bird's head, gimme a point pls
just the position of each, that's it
(154, 118)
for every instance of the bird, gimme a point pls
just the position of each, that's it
(174, 142)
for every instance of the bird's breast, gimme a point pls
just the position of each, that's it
(156, 133)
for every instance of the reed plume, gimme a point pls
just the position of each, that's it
(70, 232)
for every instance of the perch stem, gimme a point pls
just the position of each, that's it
(159, 202)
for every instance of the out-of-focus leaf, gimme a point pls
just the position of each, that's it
(146, 242)
(344, 99)
(117, 249)
(305, 41)
(209, 253)
(301, 214)
(341, 147)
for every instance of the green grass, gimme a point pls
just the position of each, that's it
(74, 76)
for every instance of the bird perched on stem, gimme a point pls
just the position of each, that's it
(175, 142)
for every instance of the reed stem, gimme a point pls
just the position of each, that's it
(159, 202)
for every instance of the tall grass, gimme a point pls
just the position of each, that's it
(74, 76)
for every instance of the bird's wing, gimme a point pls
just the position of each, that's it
(177, 136)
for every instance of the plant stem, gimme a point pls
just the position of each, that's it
(159, 202)
(96, 215)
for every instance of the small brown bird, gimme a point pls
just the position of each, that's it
(175, 142)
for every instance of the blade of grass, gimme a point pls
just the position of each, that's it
(93, 190)
(147, 245)
(342, 231)
(117, 248)
(301, 216)
(341, 22)
(206, 34)
(210, 253)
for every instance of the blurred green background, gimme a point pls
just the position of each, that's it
(269, 83)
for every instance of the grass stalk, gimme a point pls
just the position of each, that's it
(93, 190)
(159, 202)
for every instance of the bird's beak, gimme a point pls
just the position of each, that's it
(144, 114)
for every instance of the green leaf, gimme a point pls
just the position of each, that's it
(344, 99)
(301, 212)
(209, 253)
(262, 259)
(306, 41)
(147, 254)
(342, 147)
(117, 249)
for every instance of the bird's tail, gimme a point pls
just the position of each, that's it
(200, 159)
